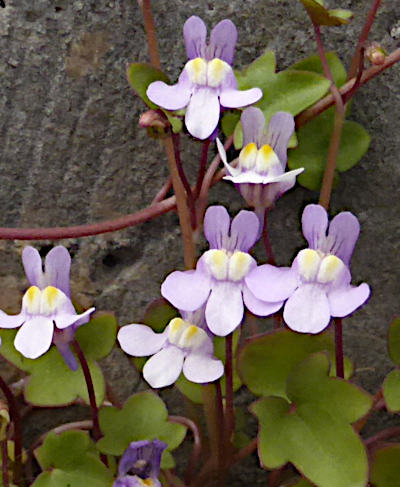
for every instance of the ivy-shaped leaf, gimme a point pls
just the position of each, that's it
(391, 385)
(394, 341)
(144, 416)
(314, 139)
(51, 382)
(140, 76)
(70, 459)
(311, 429)
(385, 470)
(265, 362)
(320, 15)
(313, 64)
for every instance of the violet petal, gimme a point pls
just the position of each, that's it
(11, 321)
(343, 233)
(186, 290)
(164, 368)
(279, 132)
(170, 97)
(272, 284)
(224, 310)
(345, 300)
(57, 269)
(63, 320)
(202, 113)
(253, 122)
(34, 337)
(258, 307)
(314, 223)
(216, 226)
(223, 39)
(32, 263)
(140, 340)
(201, 368)
(195, 34)
(231, 98)
(244, 230)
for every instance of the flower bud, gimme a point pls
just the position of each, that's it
(155, 123)
(375, 54)
(4, 420)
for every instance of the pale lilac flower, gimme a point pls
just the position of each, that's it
(47, 314)
(207, 80)
(260, 173)
(219, 279)
(317, 286)
(140, 464)
(183, 346)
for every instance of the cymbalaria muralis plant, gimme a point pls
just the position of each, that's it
(202, 337)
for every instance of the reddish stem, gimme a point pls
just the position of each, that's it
(202, 168)
(4, 463)
(222, 460)
(339, 347)
(267, 243)
(150, 33)
(229, 406)
(383, 435)
(163, 191)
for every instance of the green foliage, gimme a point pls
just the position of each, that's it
(311, 429)
(385, 470)
(314, 139)
(394, 341)
(140, 76)
(158, 314)
(313, 64)
(322, 16)
(144, 416)
(391, 390)
(51, 382)
(70, 459)
(265, 362)
(290, 90)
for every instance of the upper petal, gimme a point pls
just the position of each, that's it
(194, 33)
(34, 337)
(223, 39)
(202, 368)
(140, 340)
(32, 263)
(272, 284)
(202, 113)
(347, 299)
(258, 307)
(164, 368)
(280, 129)
(253, 122)
(224, 310)
(244, 231)
(170, 97)
(216, 226)
(314, 224)
(343, 233)
(230, 98)
(57, 268)
(186, 290)
(307, 310)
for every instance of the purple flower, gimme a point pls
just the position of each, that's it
(260, 174)
(207, 80)
(140, 464)
(317, 286)
(184, 345)
(219, 279)
(47, 314)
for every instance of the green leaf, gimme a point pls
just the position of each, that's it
(229, 122)
(144, 416)
(312, 151)
(391, 390)
(291, 90)
(322, 16)
(158, 314)
(51, 382)
(265, 363)
(303, 483)
(70, 459)
(312, 431)
(394, 341)
(313, 64)
(385, 471)
(140, 76)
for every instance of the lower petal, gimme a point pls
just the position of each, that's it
(34, 337)
(344, 301)
(169, 97)
(63, 320)
(202, 368)
(307, 310)
(164, 368)
(140, 340)
(236, 98)
(186, 290)
(258, 307)
(272, 284)
(224, 310)
(11, 321)
(202, 113)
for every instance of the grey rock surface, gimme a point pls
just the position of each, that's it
(71, 152)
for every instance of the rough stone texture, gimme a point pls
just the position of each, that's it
(71, 151)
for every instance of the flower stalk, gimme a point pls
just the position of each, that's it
(339, 348)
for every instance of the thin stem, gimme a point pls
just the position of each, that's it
(90, 388)
(339, 347)
(329, 173)
(383, 435)
(163, 191)
(183, 210)
(245, 451)
(203, 166)
(322, 105)
(274, 477)
(185, 182)
(210, 413)
(194, 457)
(355, 62)
(267, 243)
(4, 463)
(229, 406)
(358, 77)
(16, 419)
(150, 33)
(222, 435)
